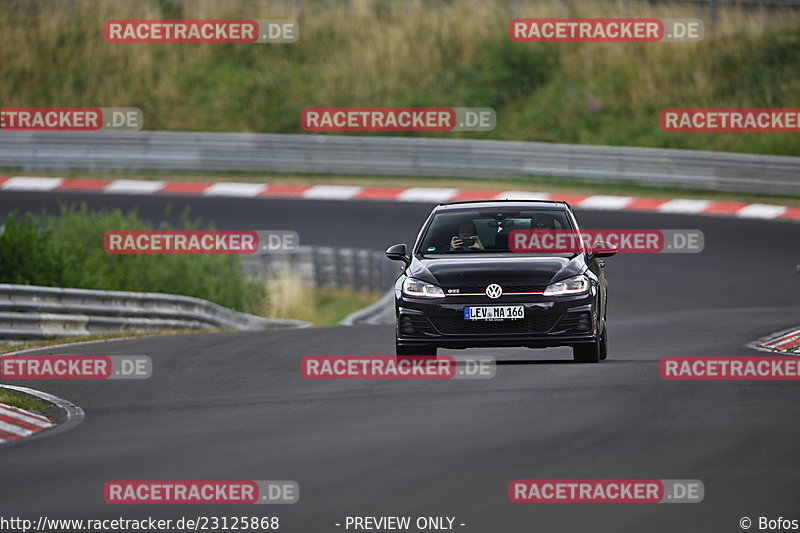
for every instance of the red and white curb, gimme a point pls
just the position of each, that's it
(779, 342)
(782, 343)
(17, 423)
(409, 194)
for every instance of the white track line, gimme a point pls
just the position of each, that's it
(683, 205)
(134, 187)
(426, 194)
(331, 192)
(601, 202)
(761, 211)
(22, 183)
(523, 195)
(246, 190)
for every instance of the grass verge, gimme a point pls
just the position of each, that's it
(410, 53)
(290, 298)
(18, 346)
(23, 401)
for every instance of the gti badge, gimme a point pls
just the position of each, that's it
(494, 291)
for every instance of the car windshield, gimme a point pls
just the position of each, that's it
(474, 231)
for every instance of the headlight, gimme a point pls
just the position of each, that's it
(573, 285)
(420, 289)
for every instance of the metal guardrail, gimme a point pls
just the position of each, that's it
(327, 267)
(398, 156)
(33, 312)
(380, 312)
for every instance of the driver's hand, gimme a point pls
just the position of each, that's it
(455, 243)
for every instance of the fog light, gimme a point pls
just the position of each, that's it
(406, 327)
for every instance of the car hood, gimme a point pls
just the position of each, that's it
(447, 271)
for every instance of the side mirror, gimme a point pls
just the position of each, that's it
(397, 252)
(602, 249)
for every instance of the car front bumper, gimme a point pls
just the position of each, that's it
(549, 321)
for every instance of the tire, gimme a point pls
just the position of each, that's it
(425, 350)
(604, 343)
(586, 353)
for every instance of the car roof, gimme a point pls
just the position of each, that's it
(503, 204)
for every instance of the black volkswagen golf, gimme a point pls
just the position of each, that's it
(465, 286)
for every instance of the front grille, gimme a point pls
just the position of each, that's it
(481, 289)
(459, 326)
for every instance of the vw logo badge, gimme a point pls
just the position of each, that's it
(494, 291)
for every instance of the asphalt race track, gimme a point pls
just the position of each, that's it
(234, 405)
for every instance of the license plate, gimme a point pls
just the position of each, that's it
(500, 312)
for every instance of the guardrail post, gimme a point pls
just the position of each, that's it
(345, 262)
(317, 262)
(303, 263)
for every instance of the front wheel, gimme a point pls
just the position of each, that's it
(586, 353)
(416, 349)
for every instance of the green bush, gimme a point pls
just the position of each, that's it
(26, 256)
(67, 251)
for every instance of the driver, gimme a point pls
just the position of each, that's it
(540, 223)
(467, 238)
